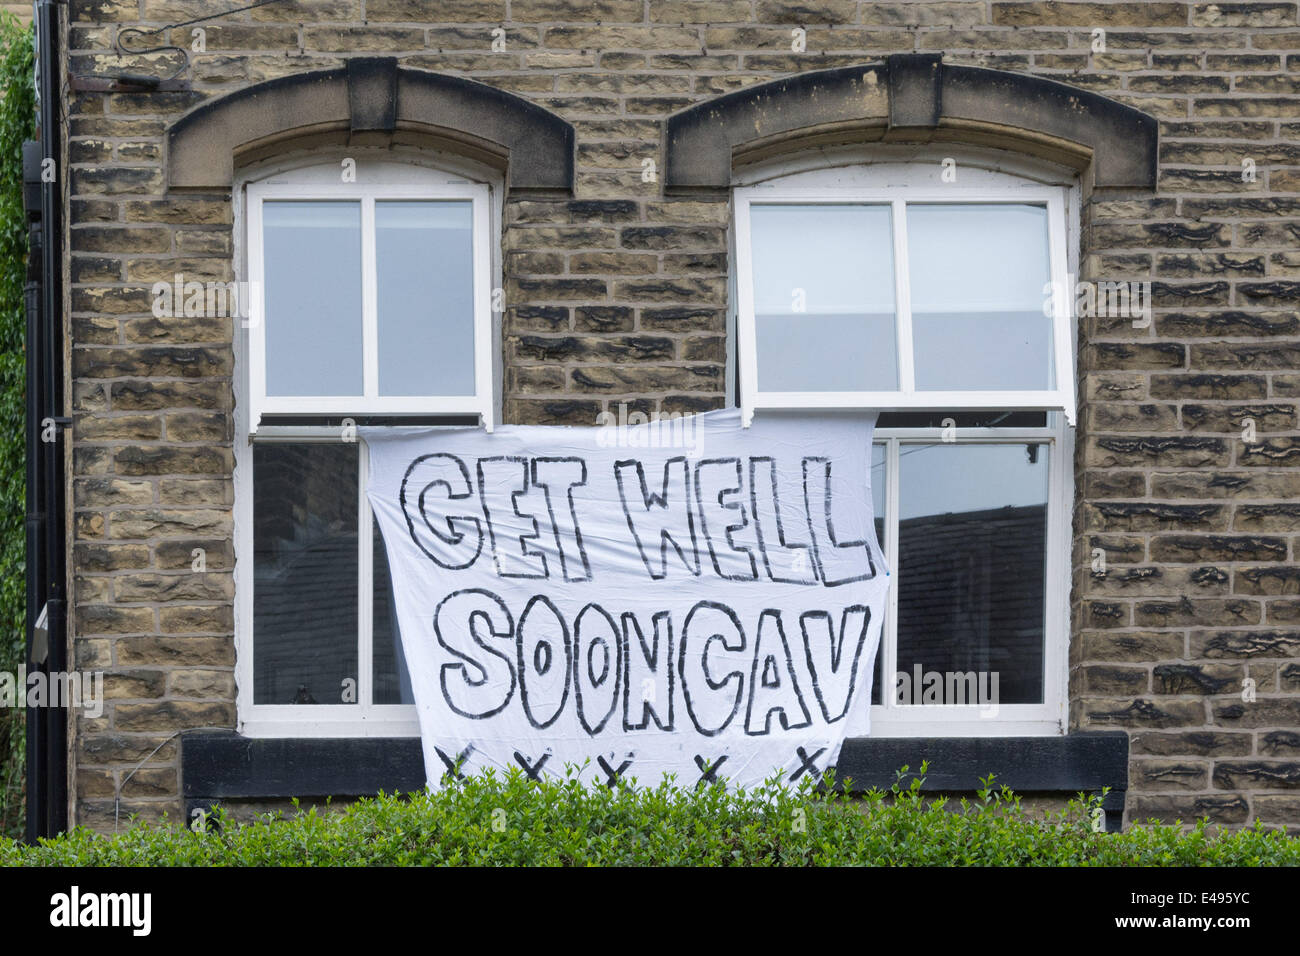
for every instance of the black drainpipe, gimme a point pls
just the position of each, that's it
(47, 727)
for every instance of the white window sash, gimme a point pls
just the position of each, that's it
(481, 403)
(363, 718)
(1048, 718)
(1060, 398)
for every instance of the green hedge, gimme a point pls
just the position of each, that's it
(494, 820)
(17, 122)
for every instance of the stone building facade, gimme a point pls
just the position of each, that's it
(615, 130)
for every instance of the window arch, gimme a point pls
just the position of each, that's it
(913, 98)
(372, 102)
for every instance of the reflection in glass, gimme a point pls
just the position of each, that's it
(312, 285)
(971, 577)
(425, 272)
(824, 297)
(392, 681)
(304, 572)
(878, 508)
(977, 277)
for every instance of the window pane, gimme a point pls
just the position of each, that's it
(972, 549)
(312, 282)
(977, 278)
(392, 681)
(305, 572)
(878, 507)
(824, 298)
(425, 265)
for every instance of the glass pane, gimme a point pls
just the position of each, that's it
(878, 507)
(972, 552)
(977, 278)
(312, 282)
(878, 490)
(425, 265)
(392, 681)
(824, 298)
(304, 572)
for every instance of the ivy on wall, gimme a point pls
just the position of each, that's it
(17, 123)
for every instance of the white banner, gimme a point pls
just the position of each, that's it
(685, 596)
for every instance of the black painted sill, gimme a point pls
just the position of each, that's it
(219, 766)
(1064, 766)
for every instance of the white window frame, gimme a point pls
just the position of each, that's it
(906, 397)
(392, 174)
(361, 719)
(481, 403)
(895, 175)
(891, 719)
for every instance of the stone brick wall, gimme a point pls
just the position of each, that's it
(619, 295)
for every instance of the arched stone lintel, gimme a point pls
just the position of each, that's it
(372, 101)
(911, 98)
